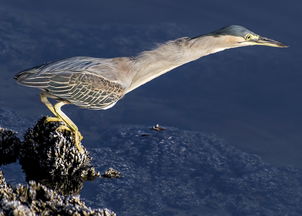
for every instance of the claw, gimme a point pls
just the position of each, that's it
(63, 128)
(77, 136)
(80, 136)
(62, 117)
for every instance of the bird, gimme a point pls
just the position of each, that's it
(99, 83)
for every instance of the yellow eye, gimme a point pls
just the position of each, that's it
(248, 37)
(251, 37)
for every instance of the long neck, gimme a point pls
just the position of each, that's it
(151, 64)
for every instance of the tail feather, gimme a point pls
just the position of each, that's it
(23, 75)
(29, 78)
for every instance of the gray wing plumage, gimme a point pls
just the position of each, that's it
(84, 81)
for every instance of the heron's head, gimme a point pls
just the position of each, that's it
(237, 36)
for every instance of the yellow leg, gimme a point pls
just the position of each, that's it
(77, 135)
(52, 119)
(43, 97)
(61, 116)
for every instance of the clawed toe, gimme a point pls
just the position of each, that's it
(78, 137)
(62, 128)
(76, 134)
(61, 117)
(79, 147)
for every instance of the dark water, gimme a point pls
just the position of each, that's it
(250, 97)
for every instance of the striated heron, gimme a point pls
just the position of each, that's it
(98, 83)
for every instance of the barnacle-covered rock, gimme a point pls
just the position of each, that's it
(37, 199)
(9, 146)
(50, 157)
(111, 173)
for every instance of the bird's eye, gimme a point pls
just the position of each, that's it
(248, 37)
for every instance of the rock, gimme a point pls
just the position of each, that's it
(37, 199)
(111, 173)
(51, 158)
(54, 168)
(9, 146)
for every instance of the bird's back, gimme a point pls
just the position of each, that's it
(88, 82)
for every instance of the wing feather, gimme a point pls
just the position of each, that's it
(87, 91)
(88, 82)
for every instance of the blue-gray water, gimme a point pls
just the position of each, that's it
(250, 97)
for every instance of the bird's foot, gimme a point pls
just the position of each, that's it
(76, 133)
(80, 136)
(63, 128)
(77, 137)
(52, 119)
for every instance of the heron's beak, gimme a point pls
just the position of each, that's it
(263, 41)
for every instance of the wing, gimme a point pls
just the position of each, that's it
(84, 81)
(86, 90)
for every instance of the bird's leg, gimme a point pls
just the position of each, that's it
(52, 119)
(43, 97)
(77, 135)
(60, 116)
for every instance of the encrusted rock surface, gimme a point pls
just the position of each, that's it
(50, 157)
(112, 173)
(9, 146)
(54, 168)
(37, 199)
